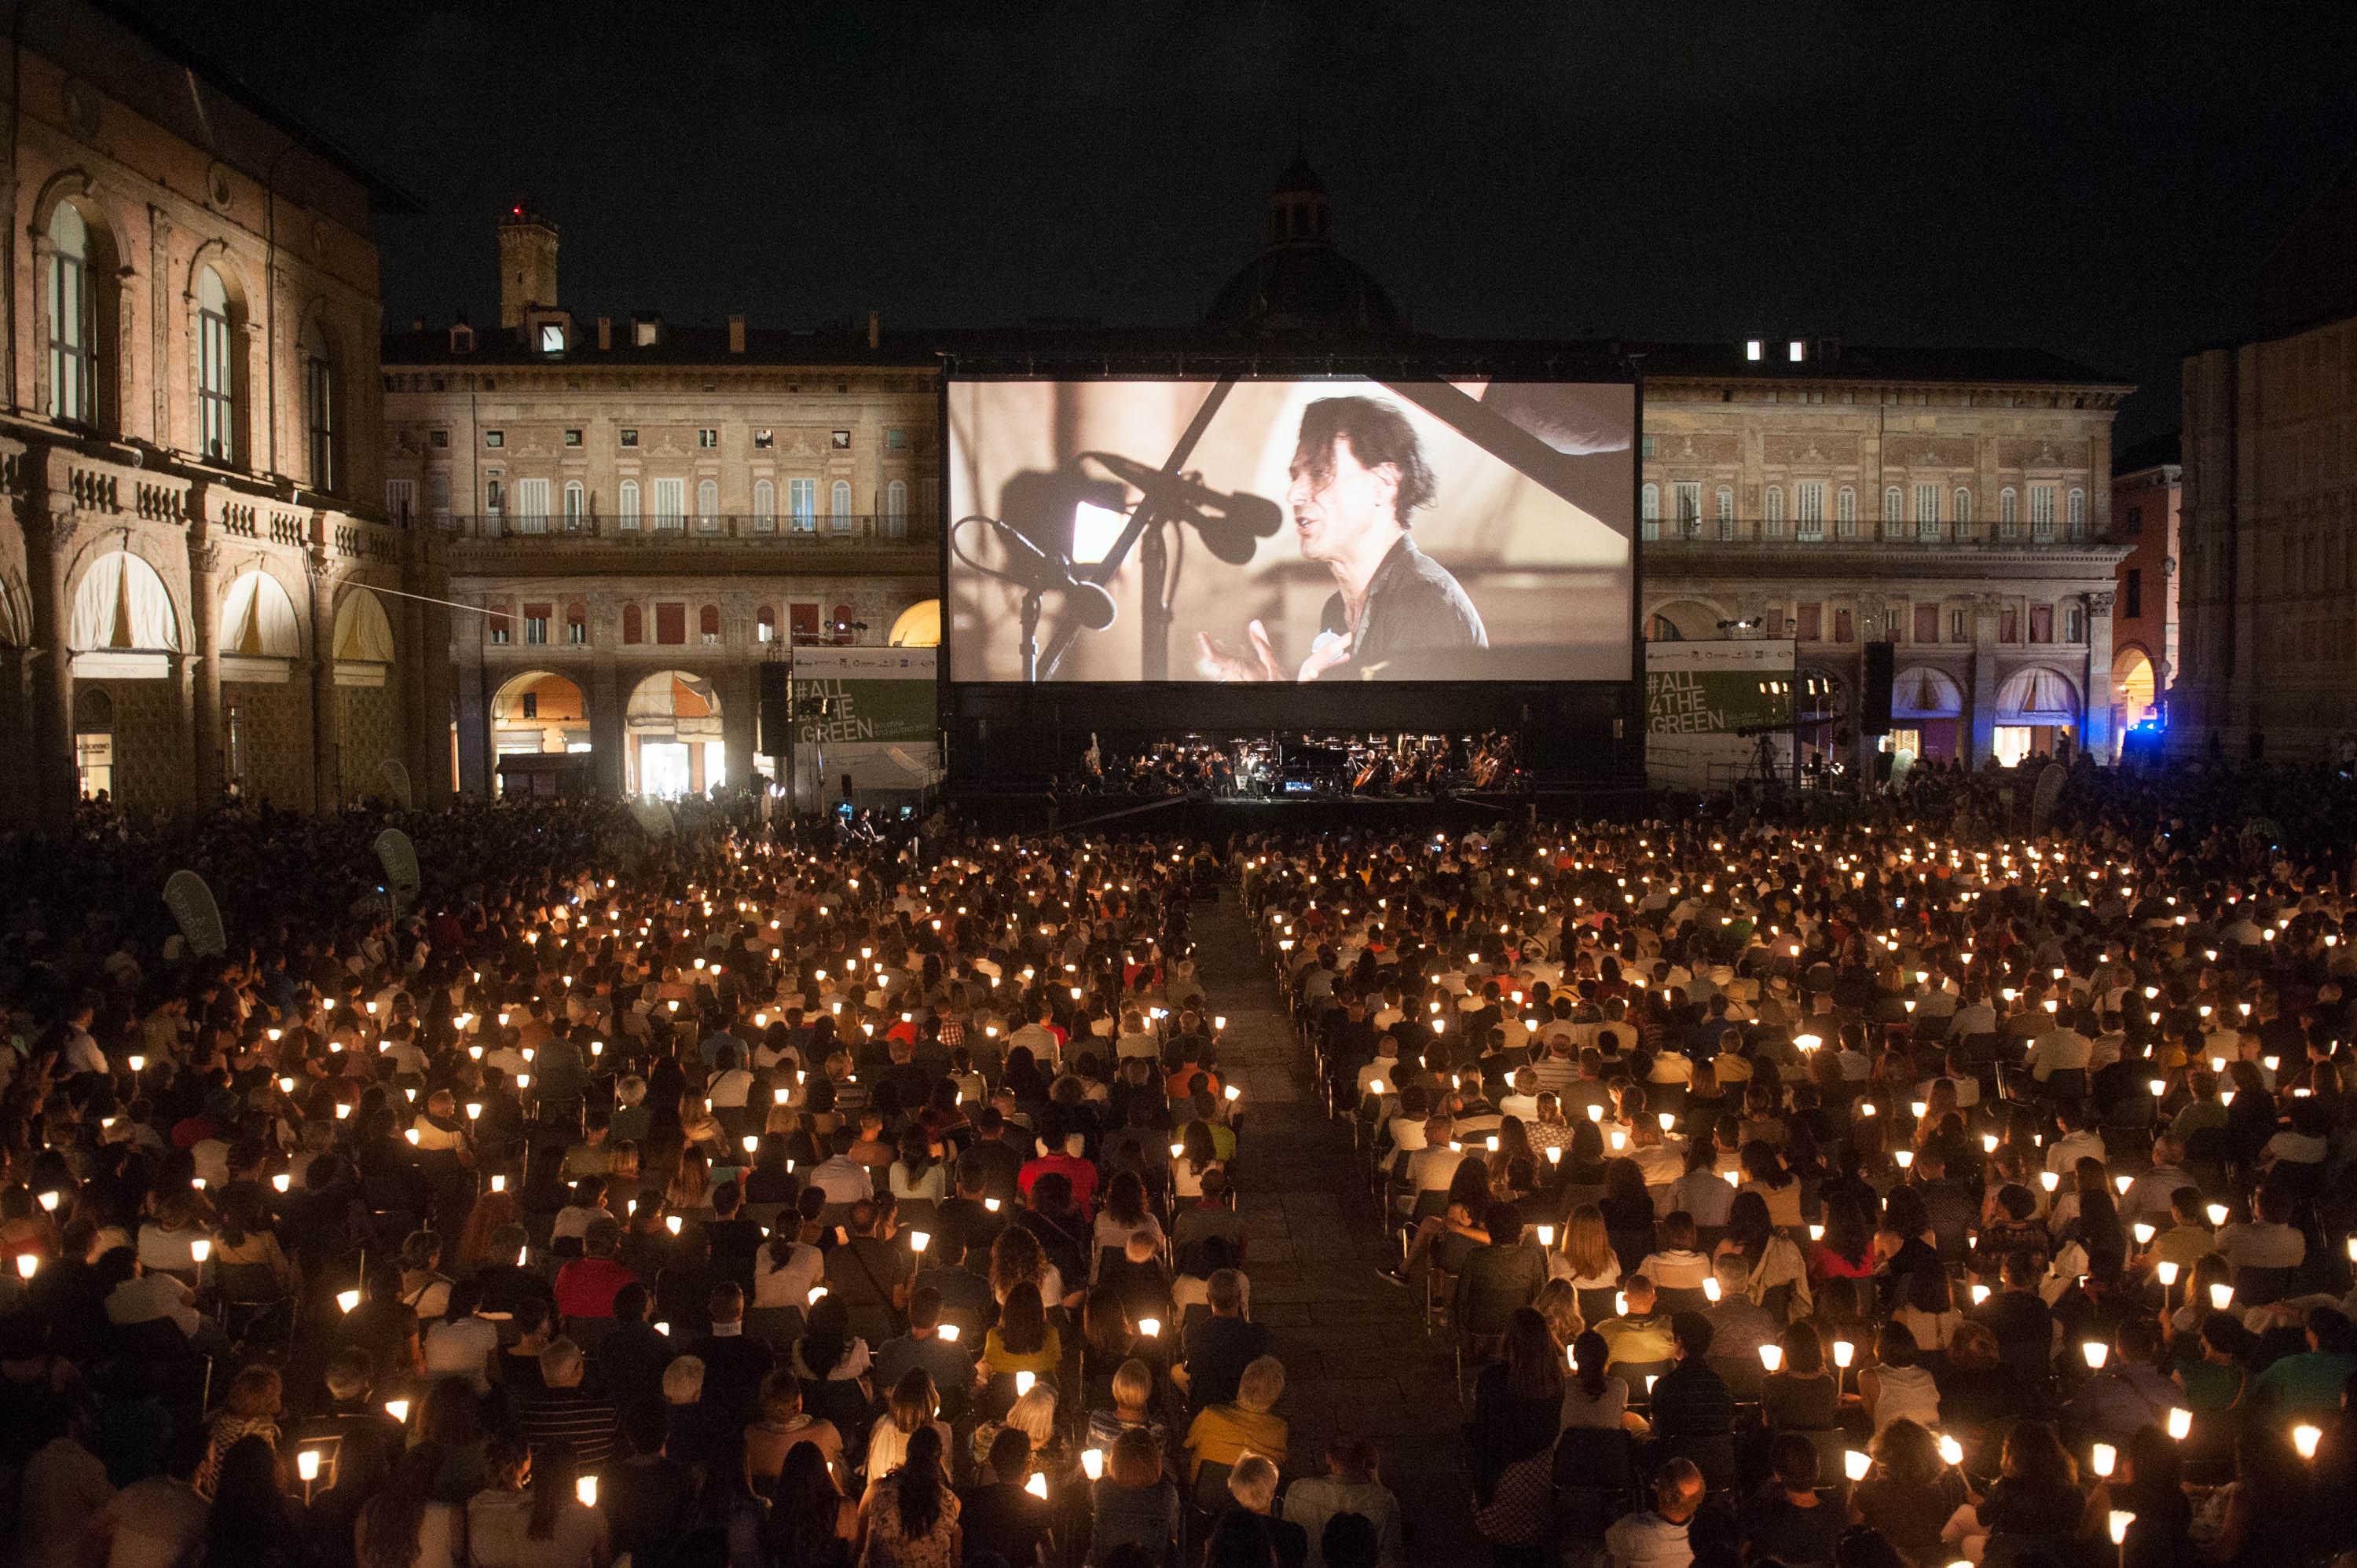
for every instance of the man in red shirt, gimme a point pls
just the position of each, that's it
(1071, 1165)
(586, 1286)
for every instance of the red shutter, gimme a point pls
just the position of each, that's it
(1843, 630)
(634, 624)
(1927, 623)
(707, 621)
(804, 622)
(2041, 623)
(1812, 623)
(671, 623)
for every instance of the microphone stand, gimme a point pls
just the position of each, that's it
(1030, 635)
(1144, 524)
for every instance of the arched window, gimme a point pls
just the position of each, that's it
(1846, 512)
(707, 625)
(764, 624)
(73, 320)
(1771, 514)
(1726, 512)
(707, 505)
(840, 505)
(844, 630)
(1893, 512)
(896, 509)
(1649, 511)
(2009, 513)
(765, 507)
(626, 504)
(577, 506)
(2074, 516)
(322, 419)
(216, 370)
(1963, 512)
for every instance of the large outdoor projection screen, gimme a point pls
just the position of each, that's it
(1325, 530)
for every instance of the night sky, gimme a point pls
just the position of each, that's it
(2099, 179)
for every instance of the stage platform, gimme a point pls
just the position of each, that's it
(1200, 816)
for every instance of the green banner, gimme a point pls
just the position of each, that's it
(831, 711)
(1715, 701)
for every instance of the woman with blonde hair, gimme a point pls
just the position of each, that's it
(1559, 1304)
(1585, 1260)
(690, 1191)
(914, 1405)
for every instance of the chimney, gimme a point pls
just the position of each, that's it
(606, 332)
(527, 264)
(417, 323)
(876, 329)
(736, 334)
(646, 329)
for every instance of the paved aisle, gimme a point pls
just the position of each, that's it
(1354, 1350)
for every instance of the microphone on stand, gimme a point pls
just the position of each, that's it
(1230, 525)
(1048, 571)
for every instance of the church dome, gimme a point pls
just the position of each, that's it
(1300, 282)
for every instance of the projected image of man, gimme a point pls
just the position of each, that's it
(1358, 473)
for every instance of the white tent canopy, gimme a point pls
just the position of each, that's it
(258, 619)
(123, 604)
(363, 632)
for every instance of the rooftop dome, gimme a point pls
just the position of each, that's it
(1300, 283)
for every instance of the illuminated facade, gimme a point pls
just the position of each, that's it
(198, 597)
(1953, 502)
(637, 516)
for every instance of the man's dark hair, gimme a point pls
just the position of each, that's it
(1378, 433)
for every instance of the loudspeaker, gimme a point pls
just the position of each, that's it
(777, 723)
(1873, 701)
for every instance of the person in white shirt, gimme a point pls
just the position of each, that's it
(1657, 1537)
(785, 1270)
(79, 1053)
(459, 1344)
(2078, 1141)
(731, 1084)
(2269, 1241)
(2059, 1048)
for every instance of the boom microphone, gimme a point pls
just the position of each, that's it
(1230, 525)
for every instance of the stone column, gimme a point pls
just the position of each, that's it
(50, 537)
(474, 705)
(606, 696)
(205, 693)
(327, 741)
(2100, 742)
(740, 687)
(1980, 688)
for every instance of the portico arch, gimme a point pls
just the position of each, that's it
(672, 733)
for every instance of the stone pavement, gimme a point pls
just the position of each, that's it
(1355, 1352)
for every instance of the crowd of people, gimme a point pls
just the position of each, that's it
(1911, 1190)
(1879, 1194)
(697, 1199)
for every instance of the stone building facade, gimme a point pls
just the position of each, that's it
(640, 515)
(198, 594)
(2145, 490)
(2269, 575)
(1954, 504)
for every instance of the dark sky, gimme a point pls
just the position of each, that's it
(2093, 178)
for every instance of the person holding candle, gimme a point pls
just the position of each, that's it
(997, 1514)
(2035, 1499)
(2148, 1483)
(1908, 1496)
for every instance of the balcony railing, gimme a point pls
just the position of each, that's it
(827, 531)
(1786, 532)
